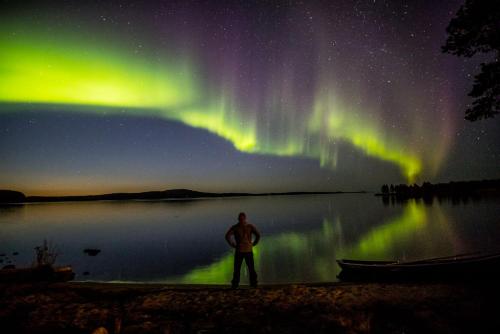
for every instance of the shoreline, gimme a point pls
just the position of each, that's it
(124, 197)
(340, 307)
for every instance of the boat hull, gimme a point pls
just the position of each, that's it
(483, 267)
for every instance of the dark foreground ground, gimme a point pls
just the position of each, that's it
(335, 308)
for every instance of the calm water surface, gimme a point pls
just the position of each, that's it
(302, 236)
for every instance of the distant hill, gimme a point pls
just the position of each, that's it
(165, 194)
(18, 197)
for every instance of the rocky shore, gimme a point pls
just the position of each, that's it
(323, 308)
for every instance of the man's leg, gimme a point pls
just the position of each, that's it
(238, 259)
(251, 269)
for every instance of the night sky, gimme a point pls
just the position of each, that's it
(104, 96)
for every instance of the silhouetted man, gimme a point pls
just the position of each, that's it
(242, 233)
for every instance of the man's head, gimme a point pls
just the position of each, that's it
(242, 218)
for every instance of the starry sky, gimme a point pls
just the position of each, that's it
(105, 96)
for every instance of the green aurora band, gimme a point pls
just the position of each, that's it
(56, 71)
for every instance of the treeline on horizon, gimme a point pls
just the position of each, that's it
(450, 189)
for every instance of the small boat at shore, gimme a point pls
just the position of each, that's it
(456, 267)
(37, 274)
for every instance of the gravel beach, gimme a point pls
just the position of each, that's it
(315, 308)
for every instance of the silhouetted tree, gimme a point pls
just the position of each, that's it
(385, 189)
(11, 196)
(391, 188)
(476, 28)
(427, 188)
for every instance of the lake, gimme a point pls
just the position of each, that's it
(182, 241)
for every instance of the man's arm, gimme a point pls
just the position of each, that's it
(257, 235)
(229, 233)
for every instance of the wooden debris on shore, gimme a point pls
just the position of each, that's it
(37, 274)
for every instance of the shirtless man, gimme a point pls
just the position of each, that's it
(242, 233)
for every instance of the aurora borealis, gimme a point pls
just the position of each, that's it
(321, 95)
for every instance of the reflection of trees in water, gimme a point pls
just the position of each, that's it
(418, 232)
